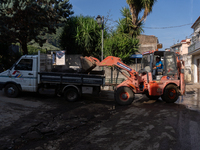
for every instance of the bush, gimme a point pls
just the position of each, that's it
(121, 45)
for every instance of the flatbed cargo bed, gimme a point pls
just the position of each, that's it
(71, 78)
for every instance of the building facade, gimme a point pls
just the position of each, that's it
(194, 51)
(182, 48)
(147, 43)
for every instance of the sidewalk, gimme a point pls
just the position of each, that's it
(192, 87)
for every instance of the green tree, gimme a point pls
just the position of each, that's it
(68, 37)
(125, 24)
(123, 42)
(25, 20)
(121, 45)
(137, 7)
(7, 56)
(82, 35)
(54, 39)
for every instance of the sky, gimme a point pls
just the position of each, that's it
(165, 13)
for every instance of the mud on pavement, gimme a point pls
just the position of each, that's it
(33, 122)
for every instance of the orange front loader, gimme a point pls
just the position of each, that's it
(167, 83)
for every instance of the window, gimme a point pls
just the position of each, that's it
(146, 62)
(170, 63)
(24, 64)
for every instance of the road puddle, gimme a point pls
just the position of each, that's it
(190, 100)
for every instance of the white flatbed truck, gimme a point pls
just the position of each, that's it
(32, 72)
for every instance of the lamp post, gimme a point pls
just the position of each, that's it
(100, 22)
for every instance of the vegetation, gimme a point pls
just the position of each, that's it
(123, 42)
(22, 21)
(125, 24)
(7, 57)
(32, 50)
(81, 35)
(137, 7)
(121, 45)
(47, 25)
(54, 39)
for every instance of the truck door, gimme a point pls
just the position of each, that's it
(23, 74)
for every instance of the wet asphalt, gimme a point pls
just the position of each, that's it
(40, 122)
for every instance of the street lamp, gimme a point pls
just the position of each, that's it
(100, 22)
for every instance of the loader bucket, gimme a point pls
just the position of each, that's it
(87, 65)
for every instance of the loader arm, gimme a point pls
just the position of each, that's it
(93, 60)
(117, 63)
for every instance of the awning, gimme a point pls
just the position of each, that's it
(136, 56)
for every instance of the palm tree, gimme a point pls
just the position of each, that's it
(88, 36)
(125, 24)
(137, 6)
(82, 35)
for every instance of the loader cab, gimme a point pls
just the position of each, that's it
(168, 59)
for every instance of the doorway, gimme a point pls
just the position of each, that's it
(198, 70)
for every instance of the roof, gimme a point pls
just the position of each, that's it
(136, 56)
(183, 41)
(176, 45)
(195, 22)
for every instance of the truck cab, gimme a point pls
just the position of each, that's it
(21, 76)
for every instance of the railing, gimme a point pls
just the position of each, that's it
(194, 47)
(114, 81)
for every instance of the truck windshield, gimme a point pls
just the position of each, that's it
(146, 61)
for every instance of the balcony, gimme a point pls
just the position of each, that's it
(194, 47)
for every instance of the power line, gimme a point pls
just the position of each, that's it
(168, 27)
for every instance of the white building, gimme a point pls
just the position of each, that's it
(194, 50)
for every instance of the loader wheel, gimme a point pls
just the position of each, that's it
(11, 90)
(71, 94)
(170, 94)
(124, 95)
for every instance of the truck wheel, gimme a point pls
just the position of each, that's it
(11, 90)
(124, 95)
(170, 94)
(71, 94)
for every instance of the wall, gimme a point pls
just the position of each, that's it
(147, 43)
(194, 68)
(188, 67)
(121, 78)
(185, 46)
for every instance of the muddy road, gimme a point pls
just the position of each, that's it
(46, 122)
